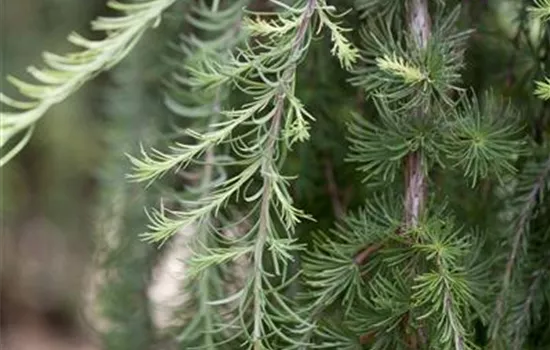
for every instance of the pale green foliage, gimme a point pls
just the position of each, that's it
(541, 9)
(343, 49)
(543, 89)
(395, 69)
(274, 120)
(397, 66)
(208, 307)
(64, 74)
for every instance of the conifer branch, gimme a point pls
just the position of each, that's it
(265, 71)
(268, 164)
(415, 179)
(521, 327)
(519, 231)
(66, 74)
(540, 10)
(205, 284)
(124, 263)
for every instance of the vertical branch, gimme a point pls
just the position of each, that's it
(268, 164)
(415, 192)
(415, 180)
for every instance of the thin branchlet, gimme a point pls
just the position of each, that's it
(519, 232)
(269, 162)
(65, 74)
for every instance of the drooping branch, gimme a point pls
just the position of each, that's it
(269, 161)
(519, 230)
(65, 74)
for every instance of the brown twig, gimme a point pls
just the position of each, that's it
(367, 338)
(364, 254)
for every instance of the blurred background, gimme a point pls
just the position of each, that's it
(48, 190)
(49, 194)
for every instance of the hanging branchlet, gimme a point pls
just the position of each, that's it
(264, 70)
(65, 74)
(444, 294)
(217, 31)
(532, 184)
(409, 78)
(124, 264)
(526, 306)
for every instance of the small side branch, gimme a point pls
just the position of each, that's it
(364, 254)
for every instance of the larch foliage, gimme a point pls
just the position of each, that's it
(432, 232)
